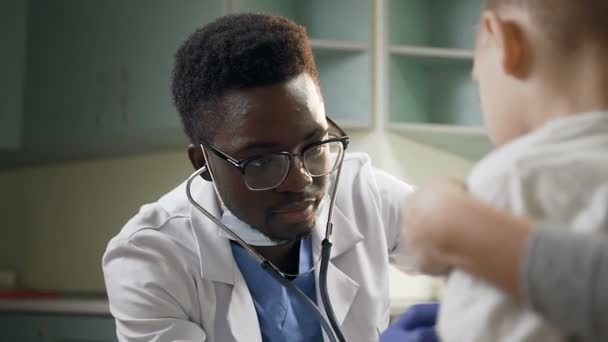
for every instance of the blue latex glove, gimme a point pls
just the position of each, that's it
(416, 325)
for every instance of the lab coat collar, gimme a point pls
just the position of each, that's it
(216, 260)
(218, 264)
(242, 316)
(215, 256)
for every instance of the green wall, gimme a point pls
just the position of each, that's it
(12, 68)
(62, 216)
(12, 227)
(57, 219)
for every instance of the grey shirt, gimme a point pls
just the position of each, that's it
(565, 279)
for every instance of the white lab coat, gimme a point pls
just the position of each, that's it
(558, 174)
(171, 277)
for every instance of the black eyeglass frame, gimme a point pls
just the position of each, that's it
(241, 164)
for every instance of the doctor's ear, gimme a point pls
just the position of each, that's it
(195, 153)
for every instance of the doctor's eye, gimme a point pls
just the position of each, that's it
(316, 150)
(262, 162)
(269, 164)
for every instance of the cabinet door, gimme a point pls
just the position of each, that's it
(99, 74)
(340, 32)
(78, 329)
(26, 327)
(18, 327)
(12, 69)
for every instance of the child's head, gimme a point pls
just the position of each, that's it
(532, 59)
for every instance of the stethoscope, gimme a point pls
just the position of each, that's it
(332, 328)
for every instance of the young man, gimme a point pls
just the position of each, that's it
(247, 90)
(543, 80)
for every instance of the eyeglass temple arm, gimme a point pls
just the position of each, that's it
(333, 123)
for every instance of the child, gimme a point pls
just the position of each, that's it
(542, 70)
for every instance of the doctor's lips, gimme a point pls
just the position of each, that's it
(296, 212)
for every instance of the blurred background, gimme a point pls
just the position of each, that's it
(88, 132)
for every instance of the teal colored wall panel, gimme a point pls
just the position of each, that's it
(101, 69)
(12, 68)
(285, 8)
(345, 76)
(14, 328)
(26, 327)
(454, 95)
(409, 22)
(456, 23)
(433, 90)
(12, 225)
(408, 91)
(346, 84)
(345, 20)
(434, 23)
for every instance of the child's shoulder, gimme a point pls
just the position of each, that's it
(564, 158)
(494, 170)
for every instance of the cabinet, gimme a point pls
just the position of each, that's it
(30, 327)
(340, 33)
(97, 74)
(432, 97)
(12, 68)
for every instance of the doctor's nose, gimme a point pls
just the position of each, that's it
(297, 178)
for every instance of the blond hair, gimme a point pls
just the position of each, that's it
(566, 23)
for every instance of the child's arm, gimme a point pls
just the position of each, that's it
(448, 228)
(563, 275)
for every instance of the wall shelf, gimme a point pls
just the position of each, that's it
(340, 35)
(421, 51)
(322, 44)
(469, 142)
(335, 20)
(431, 95)
(97, 73)
(345, 78)
(433, 23)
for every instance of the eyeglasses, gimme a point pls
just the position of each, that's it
(268, 171)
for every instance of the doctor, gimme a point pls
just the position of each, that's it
(247, 90)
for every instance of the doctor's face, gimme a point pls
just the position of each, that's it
(280, 118)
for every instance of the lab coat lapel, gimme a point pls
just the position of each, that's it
(341, 288)
(215, 255)
(242, 317)
(217, 264)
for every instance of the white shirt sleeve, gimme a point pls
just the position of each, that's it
(150, 289)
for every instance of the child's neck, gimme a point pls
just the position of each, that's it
(580, 87)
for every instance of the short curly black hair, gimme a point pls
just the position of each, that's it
(235, 52)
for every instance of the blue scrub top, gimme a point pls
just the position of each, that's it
(282, 317)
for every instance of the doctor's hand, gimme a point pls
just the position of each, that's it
(433, 214)
(416, 325)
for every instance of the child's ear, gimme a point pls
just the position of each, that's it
(195, 153)
(512, 43)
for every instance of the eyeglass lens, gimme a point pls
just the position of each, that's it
(270, 171)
